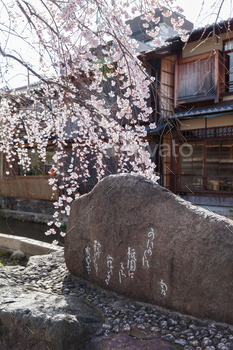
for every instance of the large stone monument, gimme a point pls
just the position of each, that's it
(133, 236)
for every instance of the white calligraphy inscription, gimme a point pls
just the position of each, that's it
(88, 259)
(163, 288)
(110, 268)
(150, 246)
(131, 262)
(121, 272)
(97, 252)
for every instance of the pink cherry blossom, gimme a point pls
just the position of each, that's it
(91, 82)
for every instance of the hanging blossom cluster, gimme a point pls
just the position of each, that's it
(177, 24)
(91, 98)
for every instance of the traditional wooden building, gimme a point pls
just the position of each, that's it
(196, 151)
(192, 101)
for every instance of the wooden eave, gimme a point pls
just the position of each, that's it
(161, 52)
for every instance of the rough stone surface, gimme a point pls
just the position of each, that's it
(38, 320)
(140, 240)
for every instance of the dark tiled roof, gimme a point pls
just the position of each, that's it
(221, 26)
(207, 112)
(191, 114)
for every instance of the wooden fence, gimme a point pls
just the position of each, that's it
(27, 187)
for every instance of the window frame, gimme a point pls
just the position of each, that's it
(227, 87)
(205, 176)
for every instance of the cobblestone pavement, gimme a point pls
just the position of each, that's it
(141, 320)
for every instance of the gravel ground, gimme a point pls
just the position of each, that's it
(49, 274)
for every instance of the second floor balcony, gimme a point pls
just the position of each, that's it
(201, 78)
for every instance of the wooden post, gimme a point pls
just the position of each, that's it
(216, 77)
(176, 88)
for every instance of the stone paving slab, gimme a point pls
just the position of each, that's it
(124, 341)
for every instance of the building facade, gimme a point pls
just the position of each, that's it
(197, 143)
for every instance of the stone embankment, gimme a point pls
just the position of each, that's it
(25, 216)
(39, 218)
(44, 307)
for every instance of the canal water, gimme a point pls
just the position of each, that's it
(28, 229)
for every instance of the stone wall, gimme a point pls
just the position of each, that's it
(27, 205)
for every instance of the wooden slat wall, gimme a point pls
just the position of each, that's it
(27, 187)
(167, 84)
(196, 78)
